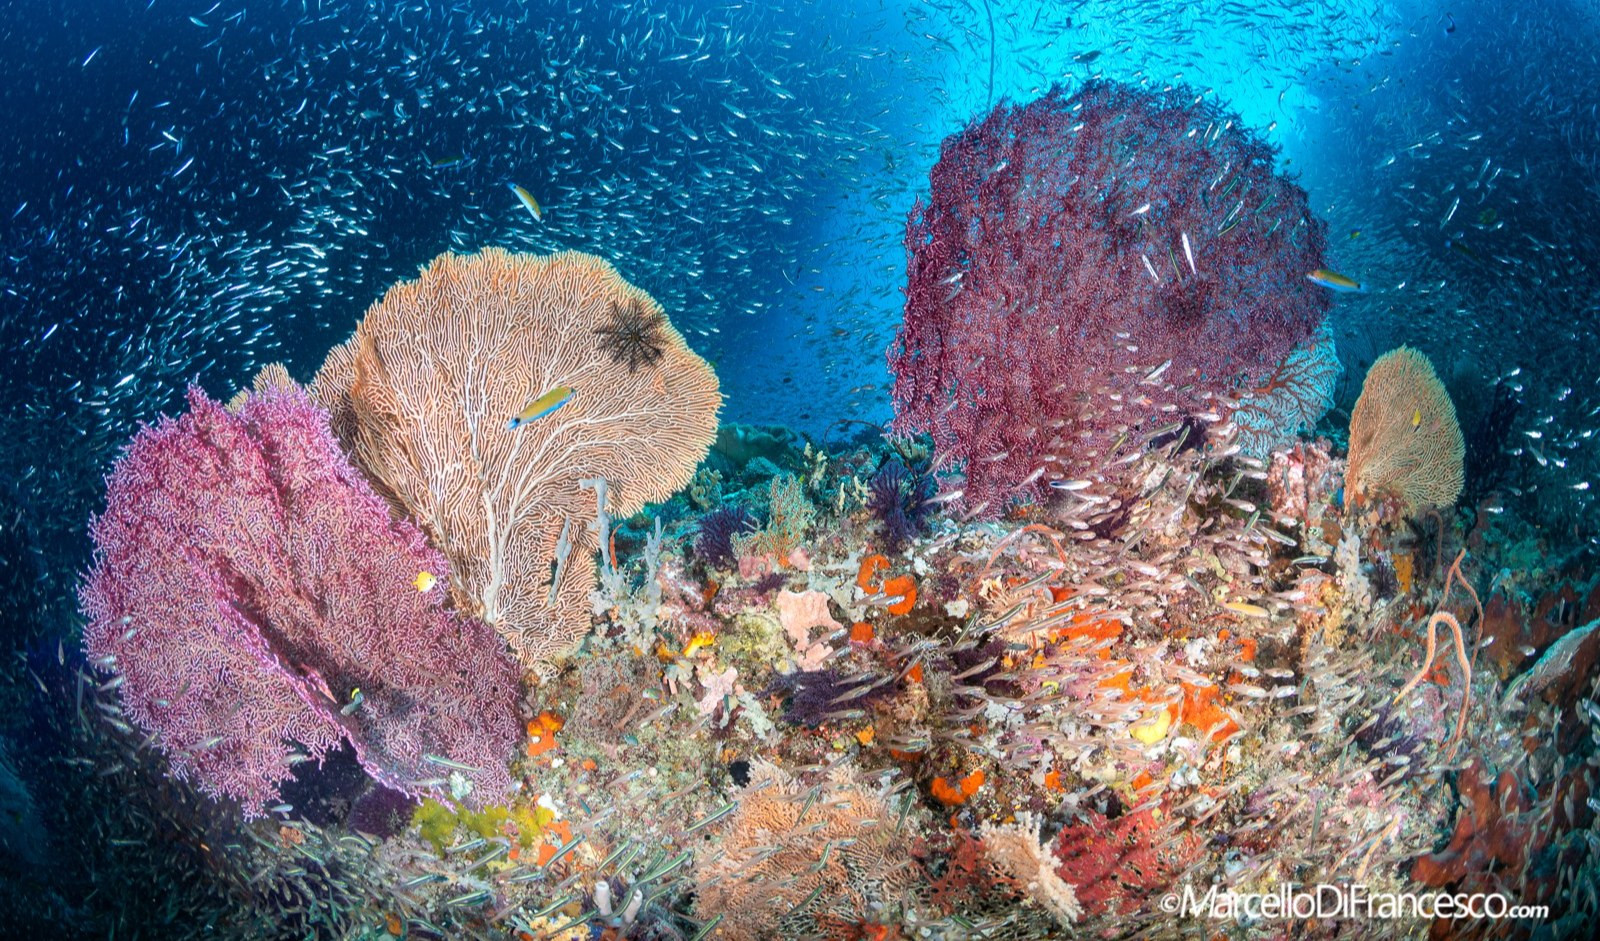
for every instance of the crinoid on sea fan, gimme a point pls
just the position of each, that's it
(632, 334)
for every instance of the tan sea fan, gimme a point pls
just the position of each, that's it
(795, 862)
(1405, 441)
(422, 394)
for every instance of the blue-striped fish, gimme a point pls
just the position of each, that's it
(1334, 281)
(527, 200)
(542, 406)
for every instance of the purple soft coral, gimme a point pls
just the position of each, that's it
(256, 597)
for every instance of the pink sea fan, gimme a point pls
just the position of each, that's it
(1086, 269)
(247, 582)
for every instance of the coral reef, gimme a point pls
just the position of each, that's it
(1144, 647)
(1084, 270)
(253, 598)
(422, 394)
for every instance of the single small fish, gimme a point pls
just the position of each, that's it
(356, 699)
(1334, 281)
(1247, 610)
(543, 405)
(453, 765)
(425, 581)
(527, 200)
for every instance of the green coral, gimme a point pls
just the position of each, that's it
(790, 514)
(755, 641)
(437, 823)
(705, 490)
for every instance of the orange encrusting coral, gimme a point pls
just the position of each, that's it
(1200, 710)
(865, 576)
(957, 793)
(903, 587)
(542, 733)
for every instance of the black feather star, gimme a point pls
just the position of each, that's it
(633, 335)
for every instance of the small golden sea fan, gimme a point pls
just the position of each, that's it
(1405, 441)
(790, 861)
(422, 396)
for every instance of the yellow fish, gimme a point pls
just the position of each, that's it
(1334, 281)
(543, 405)
(1248, 610)
(1416, 418)
(528, 201)
(425, 581)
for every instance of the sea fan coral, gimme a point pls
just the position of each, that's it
(1120, 866)
(1405, 442)
(422, 395)
(1082, 268)
(256, 597)
(787, 864)
(1297, 394)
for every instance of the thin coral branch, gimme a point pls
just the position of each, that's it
(1427, 663)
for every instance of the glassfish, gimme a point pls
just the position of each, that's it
(542, 406)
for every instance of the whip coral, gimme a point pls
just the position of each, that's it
(1086, 269)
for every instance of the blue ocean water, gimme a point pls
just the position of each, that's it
(194, 190)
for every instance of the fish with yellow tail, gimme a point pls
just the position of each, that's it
(1334, 281)
(542, 406)
(527, 200)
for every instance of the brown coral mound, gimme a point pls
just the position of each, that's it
(802, 863)
(1405, 441)
(422, 395)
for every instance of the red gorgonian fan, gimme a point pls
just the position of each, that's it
(1085, 270)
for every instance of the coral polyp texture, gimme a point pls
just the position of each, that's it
(1405, 441)
(423, 394)
(249, 587)
(1085, 269)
